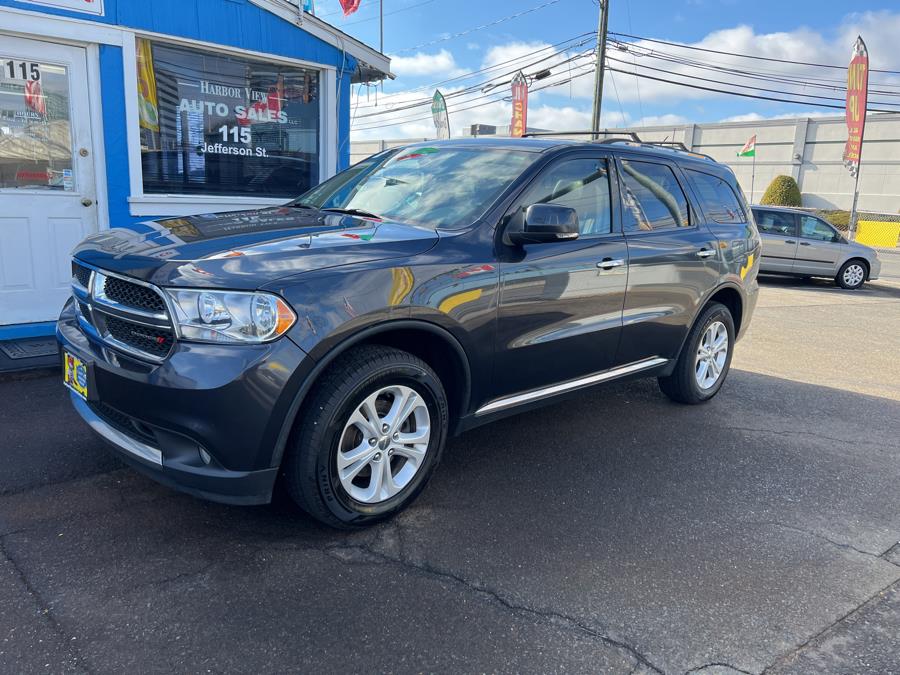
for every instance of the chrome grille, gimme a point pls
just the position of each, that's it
(126, 314)
(133, 295)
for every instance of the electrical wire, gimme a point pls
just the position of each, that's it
(745, 56)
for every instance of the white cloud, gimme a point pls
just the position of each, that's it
(442, 63)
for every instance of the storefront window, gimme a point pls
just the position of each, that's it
(217, 124)
(35, 135)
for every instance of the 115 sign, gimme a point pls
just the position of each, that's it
(22, 70)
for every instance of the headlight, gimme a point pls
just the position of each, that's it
(230, 316)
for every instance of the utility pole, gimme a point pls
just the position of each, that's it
(600, 57)
(381, 26)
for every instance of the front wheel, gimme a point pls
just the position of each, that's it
(372, 433)
(852, 275)
(705, 358)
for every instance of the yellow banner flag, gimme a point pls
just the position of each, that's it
(147, 102)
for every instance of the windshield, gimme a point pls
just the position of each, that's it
(432, 186)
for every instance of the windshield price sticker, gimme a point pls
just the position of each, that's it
(21, 70)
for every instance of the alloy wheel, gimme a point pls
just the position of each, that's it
(711, 355)
(383, 444)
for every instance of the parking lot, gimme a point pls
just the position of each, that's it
(614, 533)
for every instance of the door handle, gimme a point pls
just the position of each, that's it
(804, 243)
(86, 202)
(790, 241)
(705, 253)
(609, 263)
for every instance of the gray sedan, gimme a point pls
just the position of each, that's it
(799, 243)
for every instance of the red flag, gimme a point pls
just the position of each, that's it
(857, 99)
(34, 97)
(349, 6)
(519, 123)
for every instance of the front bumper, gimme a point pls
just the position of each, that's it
(207, 421)
(874, 268)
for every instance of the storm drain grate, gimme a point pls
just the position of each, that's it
(29, 348)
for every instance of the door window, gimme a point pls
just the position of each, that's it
(813, 228)
(717, 198)
(652, 199)
(35, 130)
(580, 184)
(776, 222)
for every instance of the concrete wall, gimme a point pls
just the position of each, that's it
(809, 149)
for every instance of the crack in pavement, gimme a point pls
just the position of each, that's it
(850, 547)
(718, 664)
(796, 650)
(44, 609)
(376, 557)
(789, 432)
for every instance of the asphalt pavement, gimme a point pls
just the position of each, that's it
(617, 532)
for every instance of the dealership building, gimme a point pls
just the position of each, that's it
(115, 112)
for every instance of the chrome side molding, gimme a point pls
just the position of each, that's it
(562, 387)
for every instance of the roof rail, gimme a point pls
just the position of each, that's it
(628, 137)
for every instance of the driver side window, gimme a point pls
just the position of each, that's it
(580, 184)
(813, 228)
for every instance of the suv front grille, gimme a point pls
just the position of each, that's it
(133, 295)
(128, 315)
(81, 273)
(154, 341)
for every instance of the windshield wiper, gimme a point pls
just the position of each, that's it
(353, 212)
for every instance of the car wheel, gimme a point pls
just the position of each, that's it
(368, 439)
(852, 275)
(705, 359)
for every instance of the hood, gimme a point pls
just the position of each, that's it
(248, 249)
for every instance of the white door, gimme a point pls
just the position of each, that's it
(47, 182)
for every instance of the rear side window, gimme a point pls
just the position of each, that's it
(652, 198)
(718, 200)
(776, 222)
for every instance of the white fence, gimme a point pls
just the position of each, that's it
(809, 149)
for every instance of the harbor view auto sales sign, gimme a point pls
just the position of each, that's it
(857, 98)
(87, 6)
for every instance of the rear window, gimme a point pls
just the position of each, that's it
(776, 222)
(717, 198)
(652, 198)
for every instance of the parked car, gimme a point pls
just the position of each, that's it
(799, 243)
(336, 342)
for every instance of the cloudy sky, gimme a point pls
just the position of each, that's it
(468, 49)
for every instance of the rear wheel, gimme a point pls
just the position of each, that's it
(852, 275)
(371, 434)
(705, 358)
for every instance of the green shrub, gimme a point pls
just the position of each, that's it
(782, 191)
(840, 219)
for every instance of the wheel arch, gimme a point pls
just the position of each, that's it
(857, 258)
(443, 352)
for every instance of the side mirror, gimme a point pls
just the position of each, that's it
(546, 223)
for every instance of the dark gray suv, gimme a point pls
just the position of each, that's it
(334, 343)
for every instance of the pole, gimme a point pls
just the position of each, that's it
(854, 215)
(753, 175)
(381, 26)
(600, 58)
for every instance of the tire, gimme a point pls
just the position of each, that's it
(852, 274)
(332, 427)
(683, 385)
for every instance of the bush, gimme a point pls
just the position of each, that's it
(840, 219)
(782, 191)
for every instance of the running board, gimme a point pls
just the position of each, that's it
(562, 387)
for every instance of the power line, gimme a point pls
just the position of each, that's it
(745, 56)
(481, 27)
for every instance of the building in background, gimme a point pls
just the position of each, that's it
(113, 112)
(809, 149)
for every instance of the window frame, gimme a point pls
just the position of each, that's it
(794, 217)
(517, 201)
(161, 204)
(688, 170)
(680, 179)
